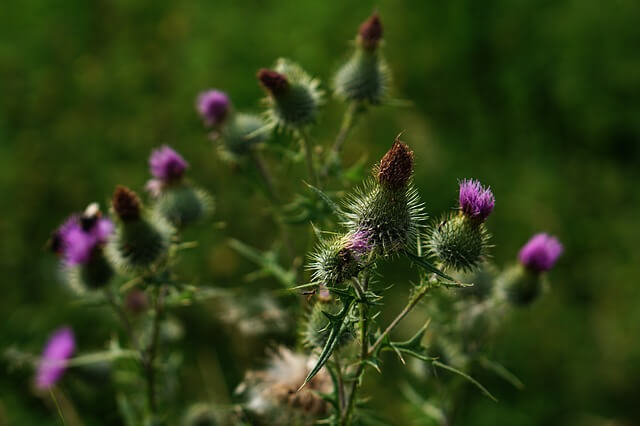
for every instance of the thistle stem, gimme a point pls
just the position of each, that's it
(348, 123)
(149, 361)
(262, 168)
(308, 152)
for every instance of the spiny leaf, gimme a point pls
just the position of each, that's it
(328, 201)
(265, 260)
(337, 326)
(501, 371)
(429, 267)
(466, 376)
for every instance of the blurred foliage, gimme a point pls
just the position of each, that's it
(539, 99)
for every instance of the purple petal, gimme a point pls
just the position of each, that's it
(541, 252)
(213, 106)
(166, 164)
(476, 202)
(53, 362)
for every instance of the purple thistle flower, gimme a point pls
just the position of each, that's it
(166, 164)
(476, 202)
(53, 362)
(79, 235)
(359, 243)
(541, 252)
(213, 106)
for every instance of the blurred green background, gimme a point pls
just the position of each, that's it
(539, 99)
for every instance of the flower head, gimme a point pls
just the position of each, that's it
(77, 237)
(166, 164)
(213, 106)
(273, 81)
(53, 362)
(396, 167)
(541, 252)
(126, 204)
(476, 202)
(371, 32)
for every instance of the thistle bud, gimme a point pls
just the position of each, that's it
(141, 239)
(184, 205)
(240, 134)
(213, 106)
(370, 32)
(340, 258)
(365, 76)
(388, 209)
(293, 96)
(276, 83)
(126, 204)
(461, 241)
(167, 165)
(396, 167)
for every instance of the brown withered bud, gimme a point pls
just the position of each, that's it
(396, 166)
(126, 204)
(273, 81)
(371, 32)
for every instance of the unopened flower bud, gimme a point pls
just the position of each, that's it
(340, 258)
(370, 32)
(396, 167)
(184, 205)
(520, 286)
(126, 204)
(276, 83)
(240, 134)
(293, 96)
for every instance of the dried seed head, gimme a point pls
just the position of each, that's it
(396, 167)
(273, 81)
(126, 204)
(371, 32)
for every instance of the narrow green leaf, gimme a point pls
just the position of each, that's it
(429, 267)
(466, 376)
(501, 371)
(328, 201)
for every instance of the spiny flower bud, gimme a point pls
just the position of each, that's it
(166, 164)
(519, 285)
(370, 32)
(213, 106)
(293, 96)
(396, 167)
(126, 204)
(458, 242)
(240, 134)
(141, 239)
(340, 258)
(540, 253)
(273, 81)
(365, 76)
(184, 205)
(476, 202)
(388, 209)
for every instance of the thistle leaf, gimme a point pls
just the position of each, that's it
(267, 261)
(501, 371)
(466, 376)
(337, 324)
(420, 261)
(335, 209)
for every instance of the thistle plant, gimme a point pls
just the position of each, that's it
(125, 259)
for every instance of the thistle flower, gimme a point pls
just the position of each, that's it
(540, 253)
(142, 238)
(522, 283)
(57, 351)
(166, 164)
(461, 241)
(80, 242)
(365, 76)
(272, 394)
(388, 209)
(476, 202)
(293, 96)
(213, 106)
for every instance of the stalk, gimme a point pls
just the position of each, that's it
(308, 152)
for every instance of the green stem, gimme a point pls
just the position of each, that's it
(55, 401)
(149, 361)
(308, 152)
(348, 123)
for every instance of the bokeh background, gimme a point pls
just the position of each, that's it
(539, 99)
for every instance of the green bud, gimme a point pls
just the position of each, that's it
(520, 286)
(183, 205)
